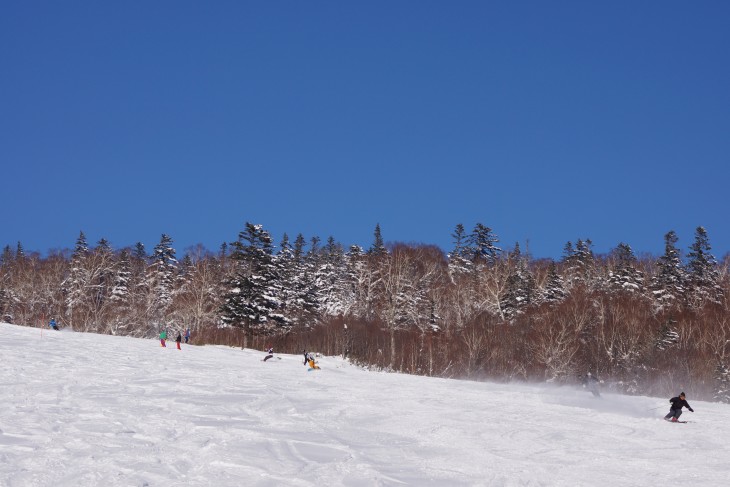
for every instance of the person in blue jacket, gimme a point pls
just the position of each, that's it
(675, 410)
(53, 324)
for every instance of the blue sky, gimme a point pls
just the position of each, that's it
(546, 121)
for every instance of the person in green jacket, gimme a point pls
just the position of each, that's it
(163, 337)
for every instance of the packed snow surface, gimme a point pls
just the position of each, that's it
(92, 410)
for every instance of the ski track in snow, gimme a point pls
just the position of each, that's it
(82, 409)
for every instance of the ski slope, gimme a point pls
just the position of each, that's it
(92, 410)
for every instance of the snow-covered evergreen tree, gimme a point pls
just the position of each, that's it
(311, 279)
(625, 276)
(74, 286)
(334, 289)
(253, 298)
(520, 290)
(460, 258)
(579, 263)
(140, 252)
(702, 273)
(161, 277)
(287, 272)
(297, 297)
(378, 248)
(554, 290)
(81, 248)
(481, 245)
(120, 289)
(668, 283)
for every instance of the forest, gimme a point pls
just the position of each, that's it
(642, 324)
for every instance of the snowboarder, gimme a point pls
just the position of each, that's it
(675, 410)
(163, 337)
(187, 335)
(309, 359)
(53, 324)
(178, 339)
(269, 354)
(590, 382)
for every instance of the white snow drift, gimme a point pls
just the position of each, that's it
(92, 410)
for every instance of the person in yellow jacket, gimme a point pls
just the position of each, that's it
(311, 362)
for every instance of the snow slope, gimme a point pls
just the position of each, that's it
(81, 409)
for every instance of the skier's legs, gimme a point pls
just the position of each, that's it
(673, 413)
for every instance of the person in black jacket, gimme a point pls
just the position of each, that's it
(675, 410)
(590, 382)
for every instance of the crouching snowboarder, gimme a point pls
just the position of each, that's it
(309, 360)
(269, 354)
(312, 364)
(675, 410)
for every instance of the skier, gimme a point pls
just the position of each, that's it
(591, 383)
(163, 337)
(178, 339)
(306, 357)
(675, 410)
(269, 354)
(53, 324)
(187, 335)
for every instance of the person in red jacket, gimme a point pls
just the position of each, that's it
(675, 410)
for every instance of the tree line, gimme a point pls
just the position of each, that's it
(649, 325)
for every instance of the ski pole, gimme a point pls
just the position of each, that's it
(658, 407)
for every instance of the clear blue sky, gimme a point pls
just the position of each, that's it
(546, 121)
